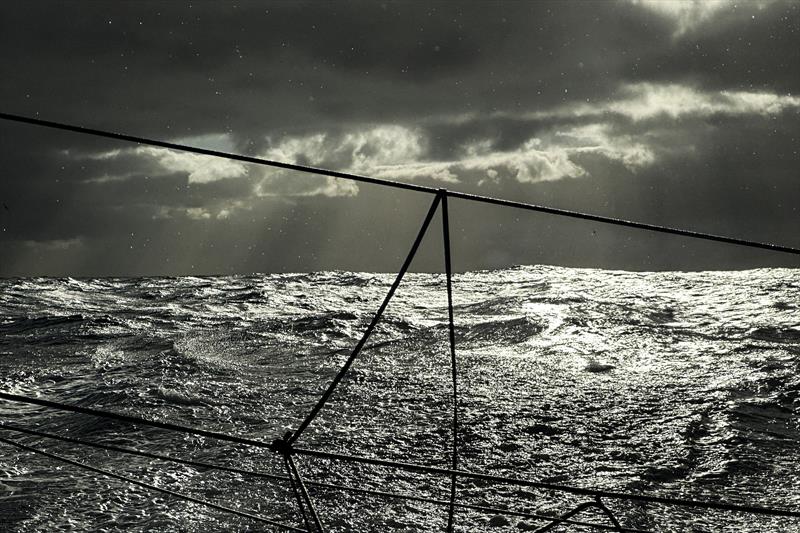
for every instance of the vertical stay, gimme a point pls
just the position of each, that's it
(294, 473)
(371, 327)
(301, 508)
(449, 275)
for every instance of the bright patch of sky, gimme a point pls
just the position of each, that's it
(689, 15)
(398, 152)
(199, 168)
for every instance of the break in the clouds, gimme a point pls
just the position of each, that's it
(397, 152)
(647, 100)
(690, 15)
(198, 168)
(682, 113)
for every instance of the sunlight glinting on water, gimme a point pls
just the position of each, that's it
(682, 384)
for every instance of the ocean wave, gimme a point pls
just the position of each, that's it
(177, 397)
(776, 334)
(506, 332)
(21, 325)
(661, 381)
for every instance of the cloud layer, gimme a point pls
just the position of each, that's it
(678, 113)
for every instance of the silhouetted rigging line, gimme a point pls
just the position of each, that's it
(297, 496)
(451, 330)
(300, 487)
(598, 504)
(134, 420)
(142, 453)
(411, 466)
(399, 185)
(318, 484)
(213, 153)
(149, 486)
(375, 319)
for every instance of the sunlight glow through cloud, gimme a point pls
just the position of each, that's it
(360, 150)
(54, 244)
(200, 168)
(643, 101)
(398, 152)
(689, 15)
(548, 158)
(647, 100)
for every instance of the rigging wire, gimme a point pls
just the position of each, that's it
(398, 185)
(579, 509)
(300, 486)
(318, 484)
(413, 467)
(134, 420)
(143, 453)
(417, 467)
(403, 269)
(148, 486)
(297, 496)
(448, 268)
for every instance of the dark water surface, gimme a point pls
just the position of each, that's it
(676, 384)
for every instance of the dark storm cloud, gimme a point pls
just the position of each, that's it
(749, 46)
(168, 69)
(628, 109)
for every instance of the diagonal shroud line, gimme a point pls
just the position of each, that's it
(375, 319)
(398, 185)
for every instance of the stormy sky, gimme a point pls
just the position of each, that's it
(678, 113)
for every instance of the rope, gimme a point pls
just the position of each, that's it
(551, 486)
(416, 467)
(399, 185)
(375, 319)
(452, 338)
(149, 486)
(277, 478)
(142, 453)
(296, 492)
(579, 509)
(625, 223)
(482, 508)
(295, 473)
(208, 152)
(599, 504)
(134, 420)
(560, 520)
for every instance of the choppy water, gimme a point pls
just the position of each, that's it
(679, 384)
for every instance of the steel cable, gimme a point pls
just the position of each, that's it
(448, 268)
(148, 486)
(317, 484)
(420, 468)
(398, 185)
(417, 467)
(403, 269)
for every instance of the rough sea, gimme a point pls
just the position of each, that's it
(674, 384)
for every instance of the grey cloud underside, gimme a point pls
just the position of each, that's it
(450, 77)
(210, 68)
